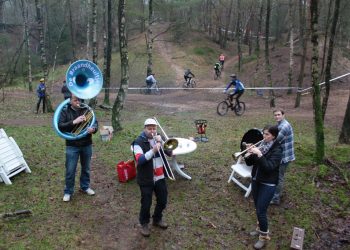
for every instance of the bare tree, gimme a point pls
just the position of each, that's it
(330, 57)
(303, 39)
(316, 97)
(344, 136)
(72, 30)
(108, 56)
(239, 35)
(24, 6)
(267, 52)
(88, 29)
(124, 65)
(291, 47)
(149, 39)
(40, 23)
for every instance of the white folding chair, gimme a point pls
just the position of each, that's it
(11, 160)
(241, 170)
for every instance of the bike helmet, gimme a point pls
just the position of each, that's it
(233, 76)
(42, 80)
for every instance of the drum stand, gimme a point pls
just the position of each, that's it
(201, 126)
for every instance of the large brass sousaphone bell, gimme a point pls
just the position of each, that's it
(84, 79)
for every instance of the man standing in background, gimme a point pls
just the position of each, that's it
(286, 138)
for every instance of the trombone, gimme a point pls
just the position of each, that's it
(238, 154)
(169, 144)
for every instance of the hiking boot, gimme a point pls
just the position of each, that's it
(145, 230)
(161, 224)
(89, 191)
(263, 238)
(66, 197)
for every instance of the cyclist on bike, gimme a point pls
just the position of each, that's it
(238, 88)
(217, 68)
(222, 60)
(151, 81)
(188, 75)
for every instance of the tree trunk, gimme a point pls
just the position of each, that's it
(316, 97)
(227, 26)
(239, 35)
(72, 31)
(303, 40)
(330, 57)
(124, 65)
(149, 40)
(267, 53)
(291, 48)
(27, 41)
(257, 46)
(88, 30)
(108, 52)
(43, 51)
(344, 136)
(142, 16)
(93, 101)
(326, 37)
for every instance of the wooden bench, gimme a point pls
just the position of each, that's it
(11, 159)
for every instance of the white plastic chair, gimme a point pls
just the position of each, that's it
(241, 170)
(11, 160)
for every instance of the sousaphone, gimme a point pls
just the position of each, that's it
(84, 80)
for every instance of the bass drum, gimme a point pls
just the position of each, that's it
(251, 136)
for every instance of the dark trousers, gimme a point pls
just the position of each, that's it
(262, 195)
(41, 98)
(161, 192)
(237, 94)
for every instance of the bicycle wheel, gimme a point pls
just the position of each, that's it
(157, 91)
(193, 83)
(143, 90)
(239, 108)
(222, 108)
(215, 76)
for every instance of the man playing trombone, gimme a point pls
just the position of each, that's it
(147, 150)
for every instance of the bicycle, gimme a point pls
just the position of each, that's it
(191, 84)
(238, 107)
(217, 74)
(153, 90)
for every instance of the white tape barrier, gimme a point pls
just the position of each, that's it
(251, 88)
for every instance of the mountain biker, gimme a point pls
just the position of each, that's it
(217, 68)
(151, 81)
(222, 60)
(188, 75)
(238, 88)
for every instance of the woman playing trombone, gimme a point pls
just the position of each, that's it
(150, 175)
(265, 159)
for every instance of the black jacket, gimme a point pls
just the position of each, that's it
(266, 168)
(65, 124)
(145, 170)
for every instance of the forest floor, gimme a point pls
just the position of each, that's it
(117, 228)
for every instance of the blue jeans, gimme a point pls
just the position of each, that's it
(72, 157)
(282, 171)
(262, 195)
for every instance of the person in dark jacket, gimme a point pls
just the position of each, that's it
(71, 116)
(65, 91)
(41, 92)
(266, 160)
(150, 176)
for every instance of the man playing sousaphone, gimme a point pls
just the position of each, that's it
(74, 117)
(150, 175)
